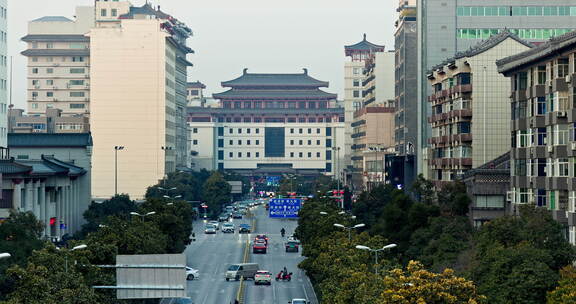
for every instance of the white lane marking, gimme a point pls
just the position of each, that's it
(274, 293)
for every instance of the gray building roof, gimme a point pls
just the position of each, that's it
(52, 19)
(550, 48)
(275, 80)
(9, 166)
(220, 111)
(365, 46)
(20, 140)
(56, 52)
(196, 84)
(47, 166)
(275, 94)
(484, 46)
(58, 38)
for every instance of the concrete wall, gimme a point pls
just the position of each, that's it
(129, 106)
(384, 72)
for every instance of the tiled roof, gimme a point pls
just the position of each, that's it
(52, 19)
(41, 167)
(196, 84)
(58, 38)
(49, 140)
(497, 166)
(56, 52)
(275, 80)
(72, 170)
(484, 46)
(363, 45)
(8, 166)
(553, 45)
(275, 94)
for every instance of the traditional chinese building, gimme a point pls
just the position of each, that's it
(269, 125)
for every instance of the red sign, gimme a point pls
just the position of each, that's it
(52, 221)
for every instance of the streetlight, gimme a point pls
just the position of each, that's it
(337, 150)
(389, 246)
(5, 255)
(167, 189)
(142, 216)
(79, 247)
(116, 149)
(349, 229)
(323, 213)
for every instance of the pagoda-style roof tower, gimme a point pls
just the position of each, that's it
(362, 49)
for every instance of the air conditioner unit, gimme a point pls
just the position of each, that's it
(550, 149)
(561, 114)
(37, 86)
(56, 64)
(509, 195)
(573, 145)
(569, 78)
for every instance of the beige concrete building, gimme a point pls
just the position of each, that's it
(470, 111)
(59, 63)
(357, 55)
(50, 122)
(195, 94)
(373, 137)
(138, 77)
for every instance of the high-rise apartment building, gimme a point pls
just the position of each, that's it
(4, 74)
(58, 57)
(470, 118)
(405, 121)
(543, 105)
(357, 55)
(138, 79)
(449, 26)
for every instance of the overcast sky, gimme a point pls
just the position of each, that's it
(276, 36)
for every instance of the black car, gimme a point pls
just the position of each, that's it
(244, 228)
(292, 246)
(237, 215)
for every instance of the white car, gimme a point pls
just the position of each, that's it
(215, 223)
(210, 229)
(228, 228)
(263, 277)
(299, 301)
(191, 273)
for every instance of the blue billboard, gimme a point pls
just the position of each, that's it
(284, 207)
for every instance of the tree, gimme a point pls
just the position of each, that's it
(453, 199)
(417, 285)
(174, 219)
(46, 279)
(424, 190)
(565, 293)
(20, 236)
(216, 192)
(120, 205)
(183, 184)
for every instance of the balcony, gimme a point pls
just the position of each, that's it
(463, 88)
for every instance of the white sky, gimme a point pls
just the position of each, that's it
(277, 36)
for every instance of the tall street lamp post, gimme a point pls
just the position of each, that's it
(361, 247)
(349, 229)
(83, 246)
(142, 216)
(116, 149)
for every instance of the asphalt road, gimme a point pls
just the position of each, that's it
(212, 254)
(275, 260)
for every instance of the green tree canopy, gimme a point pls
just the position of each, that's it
(216, 193)
(565, 293)
(120, 206)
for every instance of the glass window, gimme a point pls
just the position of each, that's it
(77, 71)
(503, 11)
(77, 94)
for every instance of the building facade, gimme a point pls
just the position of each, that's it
(406, 97)
(357, 55)
(451, 26)
(543, 137)
(59, 63)
(271, 124)
(195, 94)
(373, 138)
(470, 118)
(51, 122)
(138, 74)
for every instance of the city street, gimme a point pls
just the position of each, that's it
(212, 254)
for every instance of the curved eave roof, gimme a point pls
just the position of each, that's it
(363, 46)
(270, 94)
(275, 80)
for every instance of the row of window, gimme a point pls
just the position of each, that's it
(3, 12)
(50, 82)
(318, 119)
(557, 102)
(470, 33)
(453, 152)
(51, 70)
(275, 104)
(257, 154)
(516, 11)
(73, 45)
(560, 134)
(246, 131)
(51, 94)
(63, 59)
(239, 142)
(113, 12)
(552, 199)
(35, 105)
